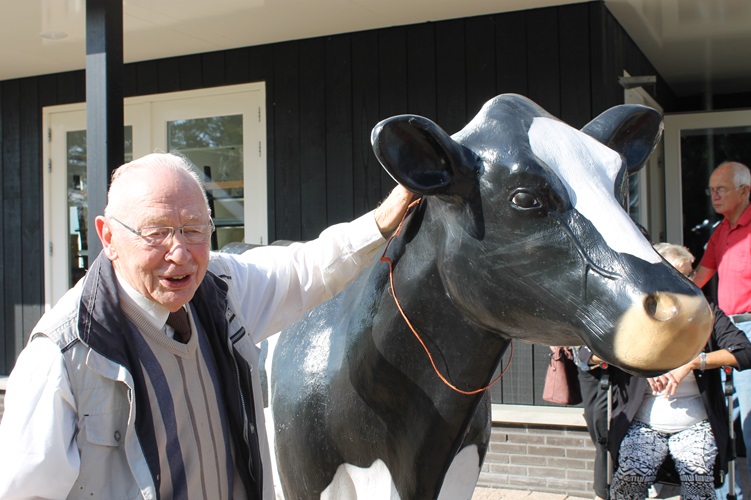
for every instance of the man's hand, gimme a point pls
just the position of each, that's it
(389, 214)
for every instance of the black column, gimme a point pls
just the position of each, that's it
(104, 106)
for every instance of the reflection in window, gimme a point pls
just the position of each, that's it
(78, 239)
(214, 146)
(634, 197)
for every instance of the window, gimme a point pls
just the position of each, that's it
(695, 143)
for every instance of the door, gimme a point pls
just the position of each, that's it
(221, 131)
(221, 136)
(65, 195)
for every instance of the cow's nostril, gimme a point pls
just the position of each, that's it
(660, 306)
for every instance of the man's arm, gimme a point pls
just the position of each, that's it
(702, 275)
(38, 453)
(272, 287)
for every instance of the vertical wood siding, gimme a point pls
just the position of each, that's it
(324, 95)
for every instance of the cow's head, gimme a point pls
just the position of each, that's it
(533, 239)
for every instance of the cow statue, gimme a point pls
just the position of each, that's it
(520, 234)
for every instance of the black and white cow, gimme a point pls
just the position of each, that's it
(520, 234)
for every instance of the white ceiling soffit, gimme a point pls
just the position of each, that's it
(155, 29)
(699, 46)
(696, 45)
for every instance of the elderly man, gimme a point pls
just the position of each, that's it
(728, 254)
(142, 381)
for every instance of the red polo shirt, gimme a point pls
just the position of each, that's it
(729, 253)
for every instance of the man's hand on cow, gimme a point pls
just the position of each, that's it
(389, 214)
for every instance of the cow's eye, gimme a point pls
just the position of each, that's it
(522, 199)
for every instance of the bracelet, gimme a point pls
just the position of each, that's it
(703, 359)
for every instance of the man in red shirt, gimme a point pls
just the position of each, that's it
(729, 249)
(728, 254)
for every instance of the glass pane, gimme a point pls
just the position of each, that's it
(701, 151)
(634, 199)
(78, 200)
(214, 145)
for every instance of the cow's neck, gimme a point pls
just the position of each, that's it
(395, 375)
(463, 352)
(466, 353)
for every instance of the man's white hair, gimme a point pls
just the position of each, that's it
(741, 173)
(166, 161)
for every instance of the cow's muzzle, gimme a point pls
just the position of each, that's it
(662, 332)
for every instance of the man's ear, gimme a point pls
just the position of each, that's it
(105, 236)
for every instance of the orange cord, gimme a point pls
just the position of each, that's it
(417, 335)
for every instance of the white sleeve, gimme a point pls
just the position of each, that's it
(38, 453)
(272, 287)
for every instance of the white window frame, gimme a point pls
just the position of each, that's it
(674, 125)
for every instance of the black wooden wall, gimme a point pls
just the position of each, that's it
(323, 97)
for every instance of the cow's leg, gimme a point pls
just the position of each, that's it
(461, 479)
(353, 483)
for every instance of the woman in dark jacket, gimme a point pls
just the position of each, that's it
(640, 449)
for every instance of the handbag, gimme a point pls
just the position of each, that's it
(561, 379)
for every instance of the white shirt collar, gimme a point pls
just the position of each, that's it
(155, 312)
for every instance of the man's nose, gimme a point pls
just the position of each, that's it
(178, 247)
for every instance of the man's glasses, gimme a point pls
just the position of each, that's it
(155, 236)
(720, 191)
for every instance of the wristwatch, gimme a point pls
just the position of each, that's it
(703, 359)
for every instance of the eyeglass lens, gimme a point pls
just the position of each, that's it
(720, 191)
(194, 233)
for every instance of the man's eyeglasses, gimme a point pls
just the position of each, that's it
(155, 235)
(720, 191)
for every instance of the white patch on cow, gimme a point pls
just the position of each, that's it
(352, 482)
(461, 479)
(375, 483)
(588, 169)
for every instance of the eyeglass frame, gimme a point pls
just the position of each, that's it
(172, 230)
(710, 191)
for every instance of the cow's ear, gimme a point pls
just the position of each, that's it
(421, 156)
(630, 129)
